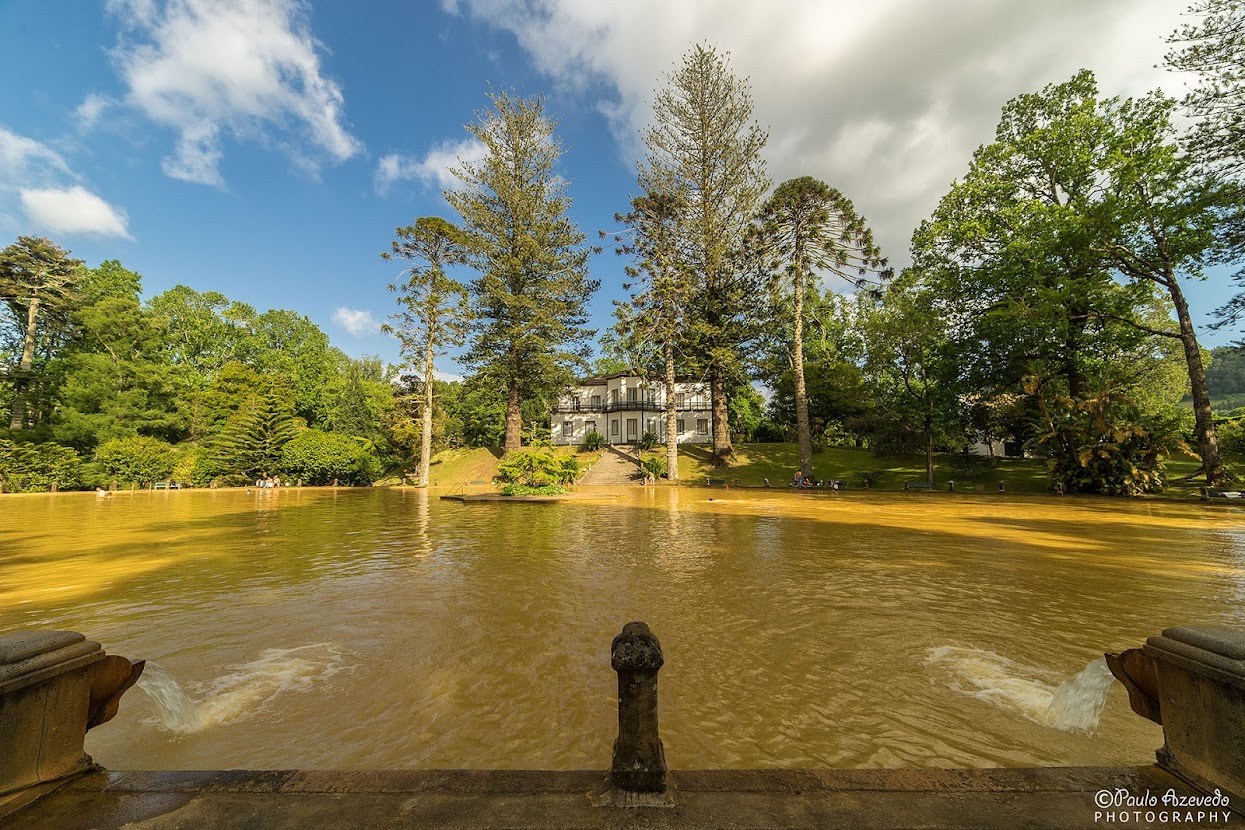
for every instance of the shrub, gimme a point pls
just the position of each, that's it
(195, 467)
(136, 460)
(321, 457)
(524, 490)
(647, 441)
(537, 468)
(28, 468)
(654, 465)
(593, 441)
(1231, 436)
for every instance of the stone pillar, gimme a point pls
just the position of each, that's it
(639, 764)
(54, 686)
(1201, 689)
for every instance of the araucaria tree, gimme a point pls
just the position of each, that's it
(807, 229)
(434, 311)
(652, 321)
(529, 302)
(37, 281)
(704, 149)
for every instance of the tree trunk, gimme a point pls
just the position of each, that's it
(425, 438)
(721, 425)
(1208, 443)
(929, 442)
(803, 430)
(514, 418)
(672, 426)
(22, 382)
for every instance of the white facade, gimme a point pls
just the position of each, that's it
(623, 407)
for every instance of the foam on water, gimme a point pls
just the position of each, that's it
(242, 692)
(1072, 706)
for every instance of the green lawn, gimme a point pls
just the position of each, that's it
(752, 463)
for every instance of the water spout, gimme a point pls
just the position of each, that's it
(176, 711)
(1077, 703)
(242, 692)
(1073, 706)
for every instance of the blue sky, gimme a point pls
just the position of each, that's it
(267, 149)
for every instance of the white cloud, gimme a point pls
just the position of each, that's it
(23, 159)
(39, 190)
(90, 110)
(247, 69)
(357, 323)
(885, 100)
(73, 210)
(433, 170)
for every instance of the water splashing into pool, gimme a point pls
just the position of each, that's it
(1072, 706)
(242, 692)
(1077, 703)
(174, 708)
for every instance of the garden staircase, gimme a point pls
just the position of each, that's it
(615, 467)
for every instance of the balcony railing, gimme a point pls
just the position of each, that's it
(560, 408)
(635, 406)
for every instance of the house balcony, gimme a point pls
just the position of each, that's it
(634, 406)
(567, 408)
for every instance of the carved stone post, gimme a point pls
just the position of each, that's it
(639, 764)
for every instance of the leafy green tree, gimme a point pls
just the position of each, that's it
(1159, 221)
(746, 410)
(136, 460)
(911, 366)
(288, 344)
(205, 331)
(651, 321)
(704, 151)
(116, 383)
(38, 281)
(319, 458)
(352, 415)
(807, 229)
(109, 279)
(251, 442)
(434, 312)
(537, 468)
(28, 467)
(1015, 252)
(529, 302)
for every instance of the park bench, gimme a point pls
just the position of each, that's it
(917, 485)
(165, 485)
(716, 482)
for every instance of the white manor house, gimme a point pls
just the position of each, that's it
(623, 406)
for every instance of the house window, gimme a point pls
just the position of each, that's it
(702, 426)
(568, 429)
(596, 401)
(679, 399)
(682, 425)
(590, 427)
(613, 396)
(651, 425)
(575, 403)
(633, 429)
(650, 395)
(630, 396)
(614, 427)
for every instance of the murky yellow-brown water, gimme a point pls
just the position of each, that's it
(386, 628)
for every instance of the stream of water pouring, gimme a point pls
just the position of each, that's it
(1073, 706)
(176, 711)
(1077, 703)
(242, 692)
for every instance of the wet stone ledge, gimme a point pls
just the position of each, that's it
(867, 799)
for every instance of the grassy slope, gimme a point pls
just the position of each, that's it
(451, 468)
(753, 462)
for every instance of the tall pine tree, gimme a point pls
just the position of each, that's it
(705, 150)
(530, 299)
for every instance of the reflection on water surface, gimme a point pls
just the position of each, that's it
(382, 628)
